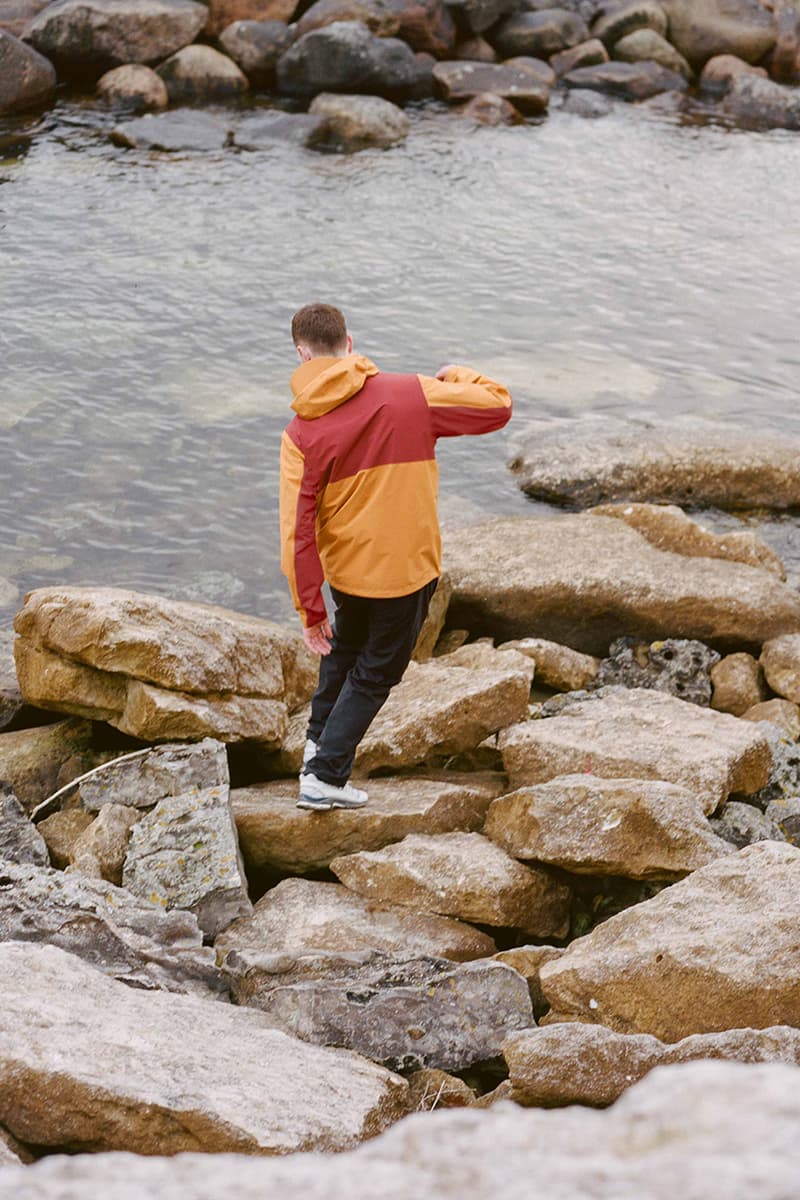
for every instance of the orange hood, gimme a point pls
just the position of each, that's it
(322, 384)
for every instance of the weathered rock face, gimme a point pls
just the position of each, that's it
(27, 79)
(134, 87)
(784, 776)
(721, 945)
(405, 1013)
(10, 695)
(129, 939)
(636, 828)
(223, 13)
(480, 15)
(629, 81)
(621, 20)
(700, 29)
(584, 580)
(742, 824)
(540, 34)
(680, 667)
(301, 916)
(667, 527)
(201, 75)
(785, 815)
(635, 734)
(587, 1064)
(61, 831)
(35, 762)
(88, 37)
(20, 841)
(584, 462)
(431, 1089)
(145, 780)
(256, 46)
(185, 854)
(356, 122)
(379, 16)
(761, 104)
(99, 851)
(780, 659)
(273, 832)
(782, 713)
(157, 668)
(463, 80)
(645, 45)
(675, 1133)
(460, 875)
(132, 1073)
(346, 57)
(15, 15)
(738, 684)
(557, 666)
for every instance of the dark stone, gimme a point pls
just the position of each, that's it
(784, 777)
(256, 46)
(20, 841)
(463, 80)
(585, 54)
(426, 25)
(479, 15)
(27, 79)
(761, 104)
(678, 666)
(346, 57)
(629, 81)
(379, 16)
(742, 824)
(260, 130)
(175, 131)
(540, 34)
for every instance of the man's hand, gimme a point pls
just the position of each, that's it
(442, 372)
(317, 637)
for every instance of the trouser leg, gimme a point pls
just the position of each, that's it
(350, 629)
(393, 627)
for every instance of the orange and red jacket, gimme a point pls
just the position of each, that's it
(359, 479)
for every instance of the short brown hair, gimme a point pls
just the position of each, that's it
(321, 327)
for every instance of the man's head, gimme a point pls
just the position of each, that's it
(320, 330)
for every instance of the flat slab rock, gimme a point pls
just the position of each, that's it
(674, 1134)
(634, 733)
(463, 80)
(461, 875)
(702, 464)
(274, 832)
(174, 132)
(303, 915)
(718, 950)
(588, 1064)
(405, 1013)
(88, 1064)
(636, 828)
(124, 937)
(585, 580)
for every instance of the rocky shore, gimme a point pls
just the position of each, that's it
(353, 65)
(575, 883)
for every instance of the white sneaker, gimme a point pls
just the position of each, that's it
(309, 751)
(320, 796)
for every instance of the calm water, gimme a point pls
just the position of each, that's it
(629, 265)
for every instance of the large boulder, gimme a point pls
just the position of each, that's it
(585, 580)
(588, 1064)
(701, 29)
(406, 1013)
(223, 13)
(459, 81)
(87, 37)
(461, 875)
(704, 464)
(302, 916)
(541, 34)
(160, 669)
(274, 833)
(36, 762)
(256, 46)
(627, 80)
(27, 79)
(358, 122)
(761, 104)
(636, 828)
(637, 734)
(20, 841)
(130, 939)
(86, 1063)
(346, 57)
(716, 951)
(16, 15)
(676, 1133)
(202, 75)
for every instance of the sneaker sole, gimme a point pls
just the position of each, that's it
(324, 805)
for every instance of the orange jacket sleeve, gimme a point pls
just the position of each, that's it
(465, 402)
(300, 561)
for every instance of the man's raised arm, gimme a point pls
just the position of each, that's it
(461, 401)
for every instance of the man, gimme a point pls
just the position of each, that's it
(359, 483)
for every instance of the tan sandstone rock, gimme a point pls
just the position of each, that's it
(738, 684)
(460, 875)
(636, 828)
(667, 527)
(717, 951)
(780, 659)
(87, 1063)
(584, 580)
(430, 1089)
(273, 832)
(434, 622)
(35, 761)
(588, 1064)
(783, 713)
(557, 666)
(100, 850)
(301, 916)
(61, 831)
(635, 733)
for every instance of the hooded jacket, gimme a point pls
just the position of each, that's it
(359, 479)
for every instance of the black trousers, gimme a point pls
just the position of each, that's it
(372, 644)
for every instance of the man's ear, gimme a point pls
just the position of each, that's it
(303, 353)
(349, 344)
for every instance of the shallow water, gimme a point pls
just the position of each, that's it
(625, 265)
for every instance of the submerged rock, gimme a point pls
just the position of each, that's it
(27, 79)
(357, 122)
(262, 130)
(628, 81)
(156, 1074)
(721, 945)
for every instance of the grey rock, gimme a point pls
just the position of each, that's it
(480, 15)
(174, 132)
(646, 45)
(125, 937)
(785, 815)
(742, 824)
(407, 1013)
(185, 854)
(679, 666)
(346, 57)
(88, 37)
(202, 75)
(261, 130)
(540, 34)
(27, 79)
(380, 16)
(88, 1064)
(355, 123)
(11, 701)
(784, 776)
(256, 46)
(761, 104)
(174, 769)
(624, 19)
(585, 103)
(462, 80)
(628, 81)
(20, 841)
